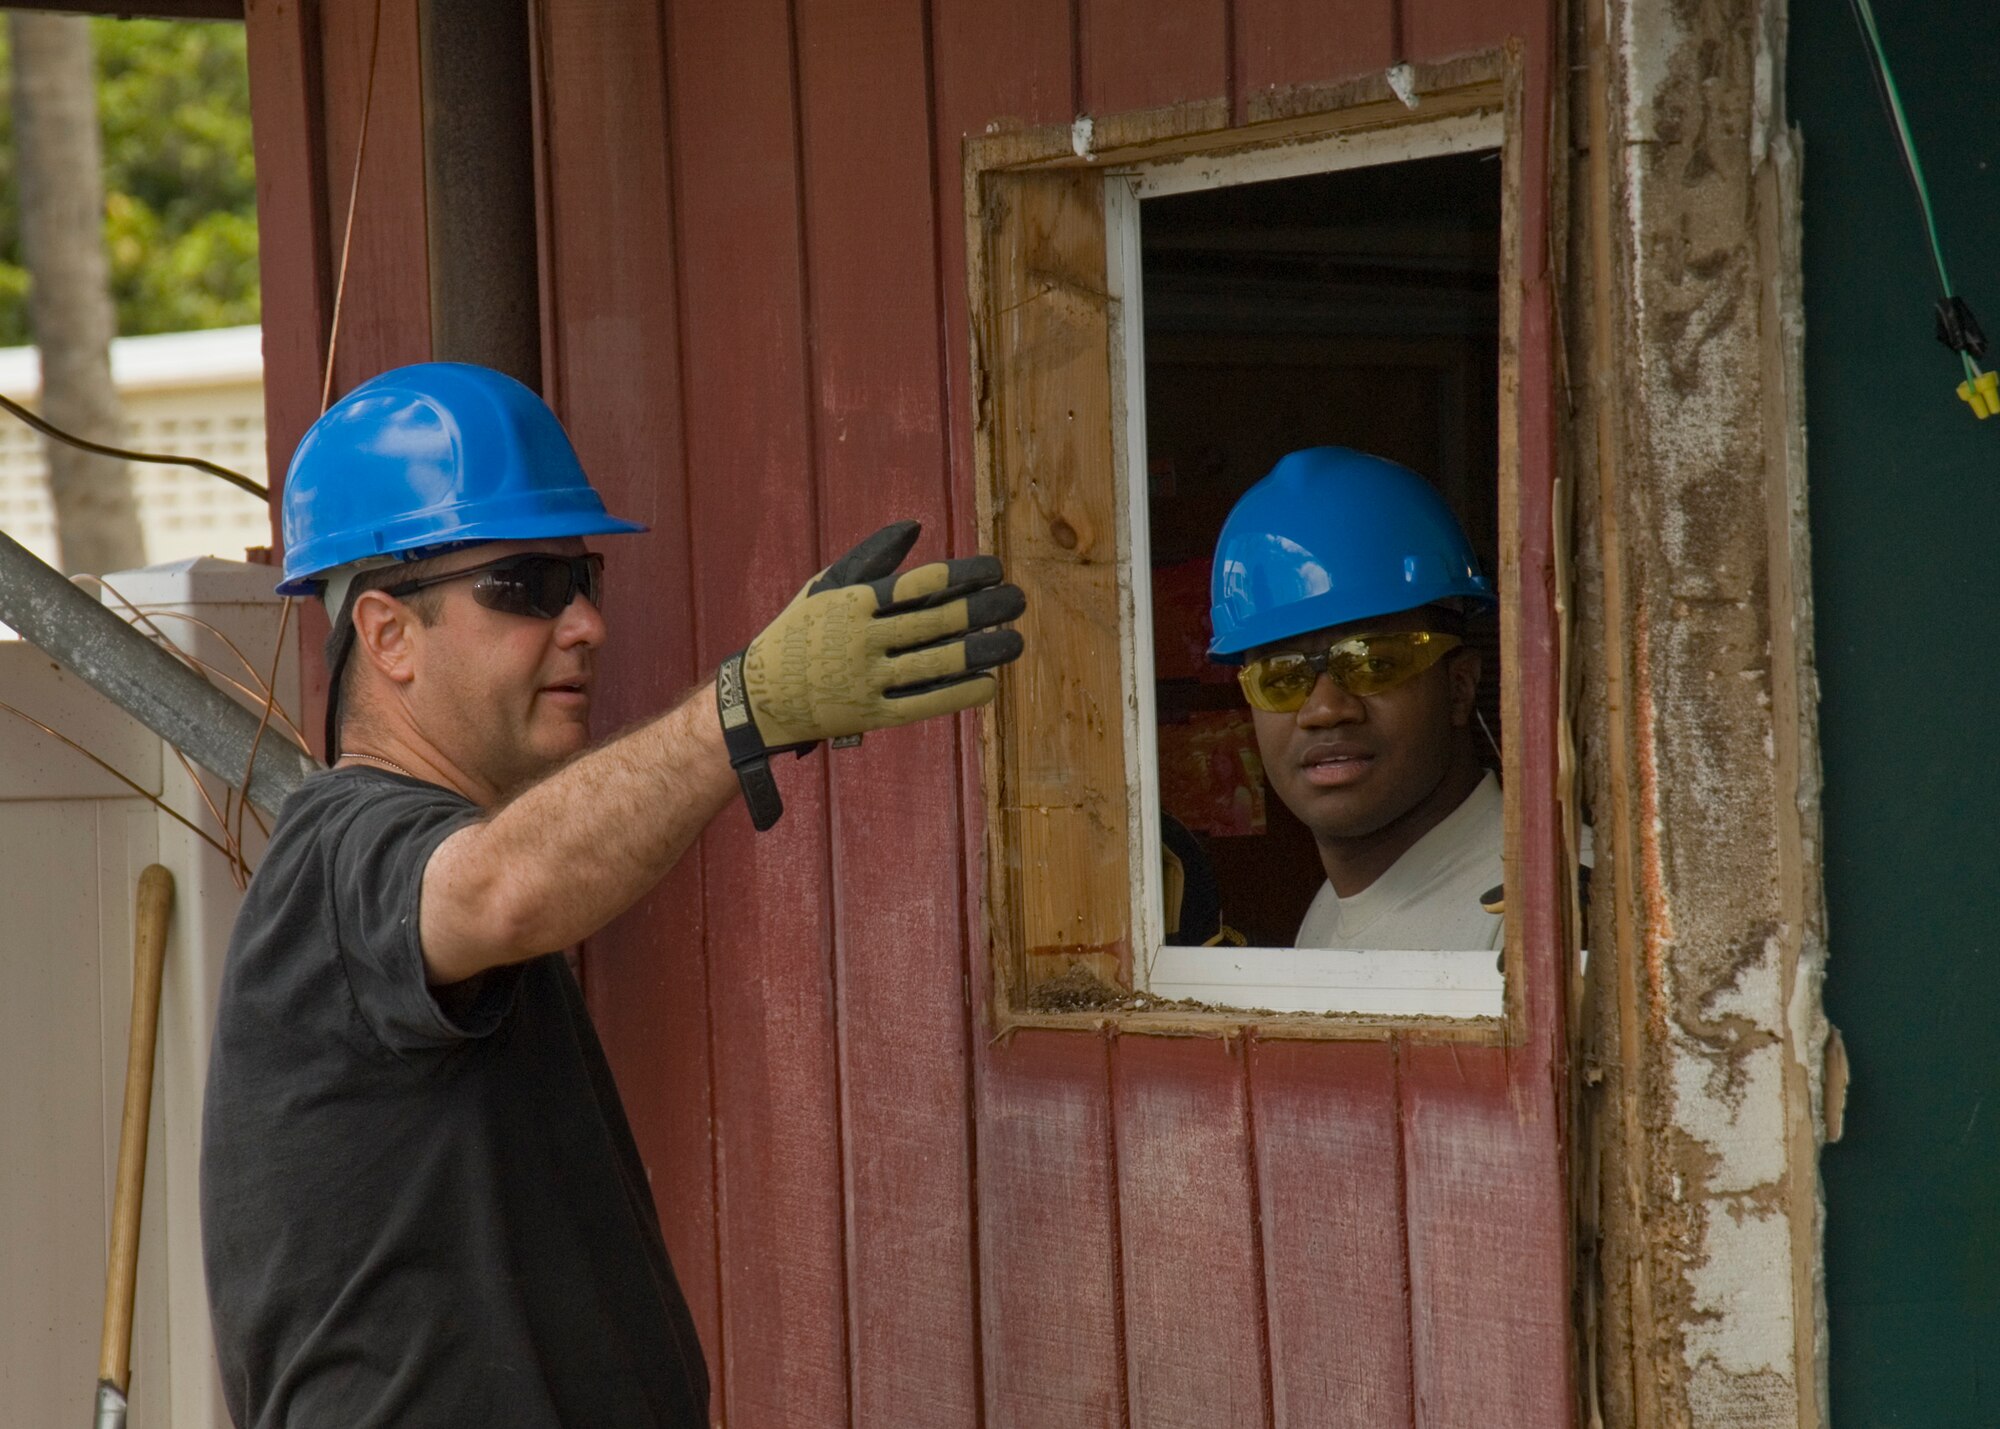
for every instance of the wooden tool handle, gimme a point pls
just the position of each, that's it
(156, 903)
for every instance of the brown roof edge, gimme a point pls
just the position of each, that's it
(140, 9)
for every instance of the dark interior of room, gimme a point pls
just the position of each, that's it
(1357, 308)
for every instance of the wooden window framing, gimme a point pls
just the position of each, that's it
(1071, 894)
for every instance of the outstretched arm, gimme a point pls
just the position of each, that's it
(860, 648)
(577, 848)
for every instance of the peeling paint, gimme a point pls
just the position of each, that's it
(1649, 37)
(1728, 1079)
(1749, 1251)
(1403, 84)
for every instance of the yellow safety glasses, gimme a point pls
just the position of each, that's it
(1360, 665)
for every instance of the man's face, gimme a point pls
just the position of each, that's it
(1349, 765)
(507, 697)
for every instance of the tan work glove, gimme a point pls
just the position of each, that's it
(862, 648)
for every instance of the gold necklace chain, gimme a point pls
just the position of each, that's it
(378, 759)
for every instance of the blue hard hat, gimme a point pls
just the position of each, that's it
(1330, 536)
(435, 455)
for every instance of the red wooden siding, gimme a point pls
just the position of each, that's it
(733, 122)
(612, 367)
(864, 93)
(1329, 1160)
(1191, 1240)
(1052, 1325)
(291, 216)
(385, 306)
(1279, 43)
(1488, 1252)
(756, 329)
(297, 281)
(307, 133)
(1143, 54)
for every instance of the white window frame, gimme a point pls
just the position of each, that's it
(1453, 985)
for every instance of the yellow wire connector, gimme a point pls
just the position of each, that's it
(1982, 394)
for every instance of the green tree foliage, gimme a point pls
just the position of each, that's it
(180, 191)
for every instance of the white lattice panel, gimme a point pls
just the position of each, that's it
(192, 394)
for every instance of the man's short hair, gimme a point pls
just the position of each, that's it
(427, 604)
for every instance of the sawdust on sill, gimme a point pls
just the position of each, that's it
(1081, 990)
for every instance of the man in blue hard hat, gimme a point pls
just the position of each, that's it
(421, 1203)
(1343, 587)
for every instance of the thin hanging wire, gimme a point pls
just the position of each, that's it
(150, 616)
(121, 777)
(51, 430)
(353, 204)
(1906, 151)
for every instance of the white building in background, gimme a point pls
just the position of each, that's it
(188, 393)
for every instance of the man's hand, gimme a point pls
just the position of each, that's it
(862, 648)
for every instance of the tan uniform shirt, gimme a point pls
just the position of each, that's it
(1428, 898)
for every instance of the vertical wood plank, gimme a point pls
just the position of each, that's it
(1061, 709)
(288, 139)
(1489, 1241)
(385, 308)
(613, 368)
(383, 317)
(1331, 1197)
(1282, 44)
(733, 128)
(1050, 1313)
(1048, 1235)
(864, 95)
(1190, 1245)
(1144, 54)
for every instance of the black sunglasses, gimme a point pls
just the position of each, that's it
(535, 585)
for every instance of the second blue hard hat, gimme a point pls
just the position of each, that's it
(431, 456)
(1332, 536)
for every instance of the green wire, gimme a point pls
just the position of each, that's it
(1909, 144)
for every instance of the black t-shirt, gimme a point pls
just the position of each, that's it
(419, 1210)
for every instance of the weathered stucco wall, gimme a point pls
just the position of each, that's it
(1703, 1035)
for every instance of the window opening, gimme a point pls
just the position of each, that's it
(1155, 322)
(1356, 308)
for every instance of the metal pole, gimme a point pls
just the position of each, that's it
(479, 184)
(144, 680)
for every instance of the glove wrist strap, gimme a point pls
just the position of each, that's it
(747, 753)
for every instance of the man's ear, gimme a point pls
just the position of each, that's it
(1462, 668)
(384, 635)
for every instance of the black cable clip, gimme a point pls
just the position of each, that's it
(1958, 329)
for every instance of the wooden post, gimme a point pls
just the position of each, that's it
(121, 1274)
